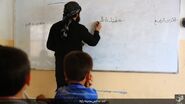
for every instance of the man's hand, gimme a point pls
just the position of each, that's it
(97, 26)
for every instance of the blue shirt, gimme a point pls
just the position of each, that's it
(77, 93)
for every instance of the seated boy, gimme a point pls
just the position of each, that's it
(15, 75)
(77, 67)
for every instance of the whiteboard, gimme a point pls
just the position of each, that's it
(136, 35)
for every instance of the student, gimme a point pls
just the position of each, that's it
(68, 35)
(183, 22)
(14, 76)
(77, 68)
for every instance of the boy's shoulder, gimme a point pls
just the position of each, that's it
(77, 88)
(76, 91)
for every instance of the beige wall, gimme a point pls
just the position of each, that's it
(6, 22)
(6, 19)
(7, 42)
(137, 85)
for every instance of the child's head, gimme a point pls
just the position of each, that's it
(14, 71)
(77, 66)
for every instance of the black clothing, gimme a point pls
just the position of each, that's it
(61, 45)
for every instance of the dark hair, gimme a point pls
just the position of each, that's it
(183, 22)
(14, 68)
(76, 65)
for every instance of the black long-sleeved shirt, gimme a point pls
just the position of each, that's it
(77, 34)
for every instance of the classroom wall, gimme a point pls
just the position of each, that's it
(137, 85)
(6, 21)
(182, 31)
